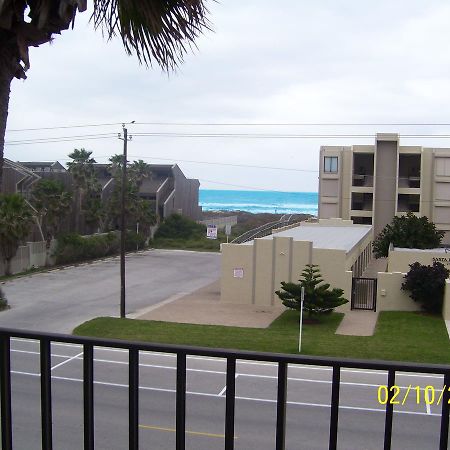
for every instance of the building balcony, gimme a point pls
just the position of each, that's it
(409, 170)
(408, 203)
(362, 201)
(363, 169)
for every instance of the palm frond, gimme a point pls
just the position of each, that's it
(154, 30)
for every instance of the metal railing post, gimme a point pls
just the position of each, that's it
(181, 402)
(334, 415)
(46, 395)
(133, 399)
(5, 392)
(281, 406)
(88, 396)
(230, 403)
(389, 411)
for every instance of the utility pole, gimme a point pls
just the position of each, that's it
(123, 222)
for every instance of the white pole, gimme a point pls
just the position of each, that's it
(301, 320)
(137, 236)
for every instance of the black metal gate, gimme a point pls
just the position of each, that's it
(364, 293)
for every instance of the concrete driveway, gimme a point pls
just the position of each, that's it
(59, 300)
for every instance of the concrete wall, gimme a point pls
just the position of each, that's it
(390, 297)
(234, 288)
(268, 262)
(446, 307)
(385, 191)
(27, 256)
(399, 259)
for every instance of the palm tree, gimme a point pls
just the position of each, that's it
(139, 170)
(155, 30)
(85, 182)
(15, 223)
(52, 203)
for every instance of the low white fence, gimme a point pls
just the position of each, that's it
(220, 222)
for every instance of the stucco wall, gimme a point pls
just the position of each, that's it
(446, 307)
(264, 286)
(400, 259)
(27, 256)
(234, 289)
(390, 297)
(268, 262)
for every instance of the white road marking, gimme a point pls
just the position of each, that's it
(66, 361)
(215, 372)
(257, 363)
(204, 394)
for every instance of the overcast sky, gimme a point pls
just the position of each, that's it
(291, 61)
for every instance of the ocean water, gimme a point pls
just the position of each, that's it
(259, 201)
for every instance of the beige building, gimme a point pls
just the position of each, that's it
(370, 184)
(253, 271)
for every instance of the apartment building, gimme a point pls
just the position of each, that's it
(370, 184)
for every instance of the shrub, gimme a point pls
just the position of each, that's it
(407, 231)
(74, 248)
(426, 285)
(180, 227)
(135, 241)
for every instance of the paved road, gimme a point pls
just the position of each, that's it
(59, 300)
(361, 420)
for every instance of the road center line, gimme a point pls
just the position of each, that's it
(173, 430)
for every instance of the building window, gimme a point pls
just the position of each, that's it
(330, 164)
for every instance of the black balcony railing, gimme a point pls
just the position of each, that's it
(45, 340)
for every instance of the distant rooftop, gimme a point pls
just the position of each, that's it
(327, 237)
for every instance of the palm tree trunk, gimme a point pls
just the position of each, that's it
(6, 76)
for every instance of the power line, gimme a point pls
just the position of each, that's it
(250, 166)
(292, 124)
(61, 139)
(63, 127)
(218, 135)
(243, 124)
(281, 136)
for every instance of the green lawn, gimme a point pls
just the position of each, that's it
(399, 336)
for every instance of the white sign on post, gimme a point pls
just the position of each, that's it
(211, 232)
(301, 319)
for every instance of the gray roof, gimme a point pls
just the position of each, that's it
(327, 237)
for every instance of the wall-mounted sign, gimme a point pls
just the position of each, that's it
(443, 260)
(211, 232)
(238, 272)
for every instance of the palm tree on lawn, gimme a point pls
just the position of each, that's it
(15, 223)
(155, 30)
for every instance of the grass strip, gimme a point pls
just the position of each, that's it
(399, 336)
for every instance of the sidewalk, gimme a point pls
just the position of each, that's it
(358, 323)
(205, 308)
